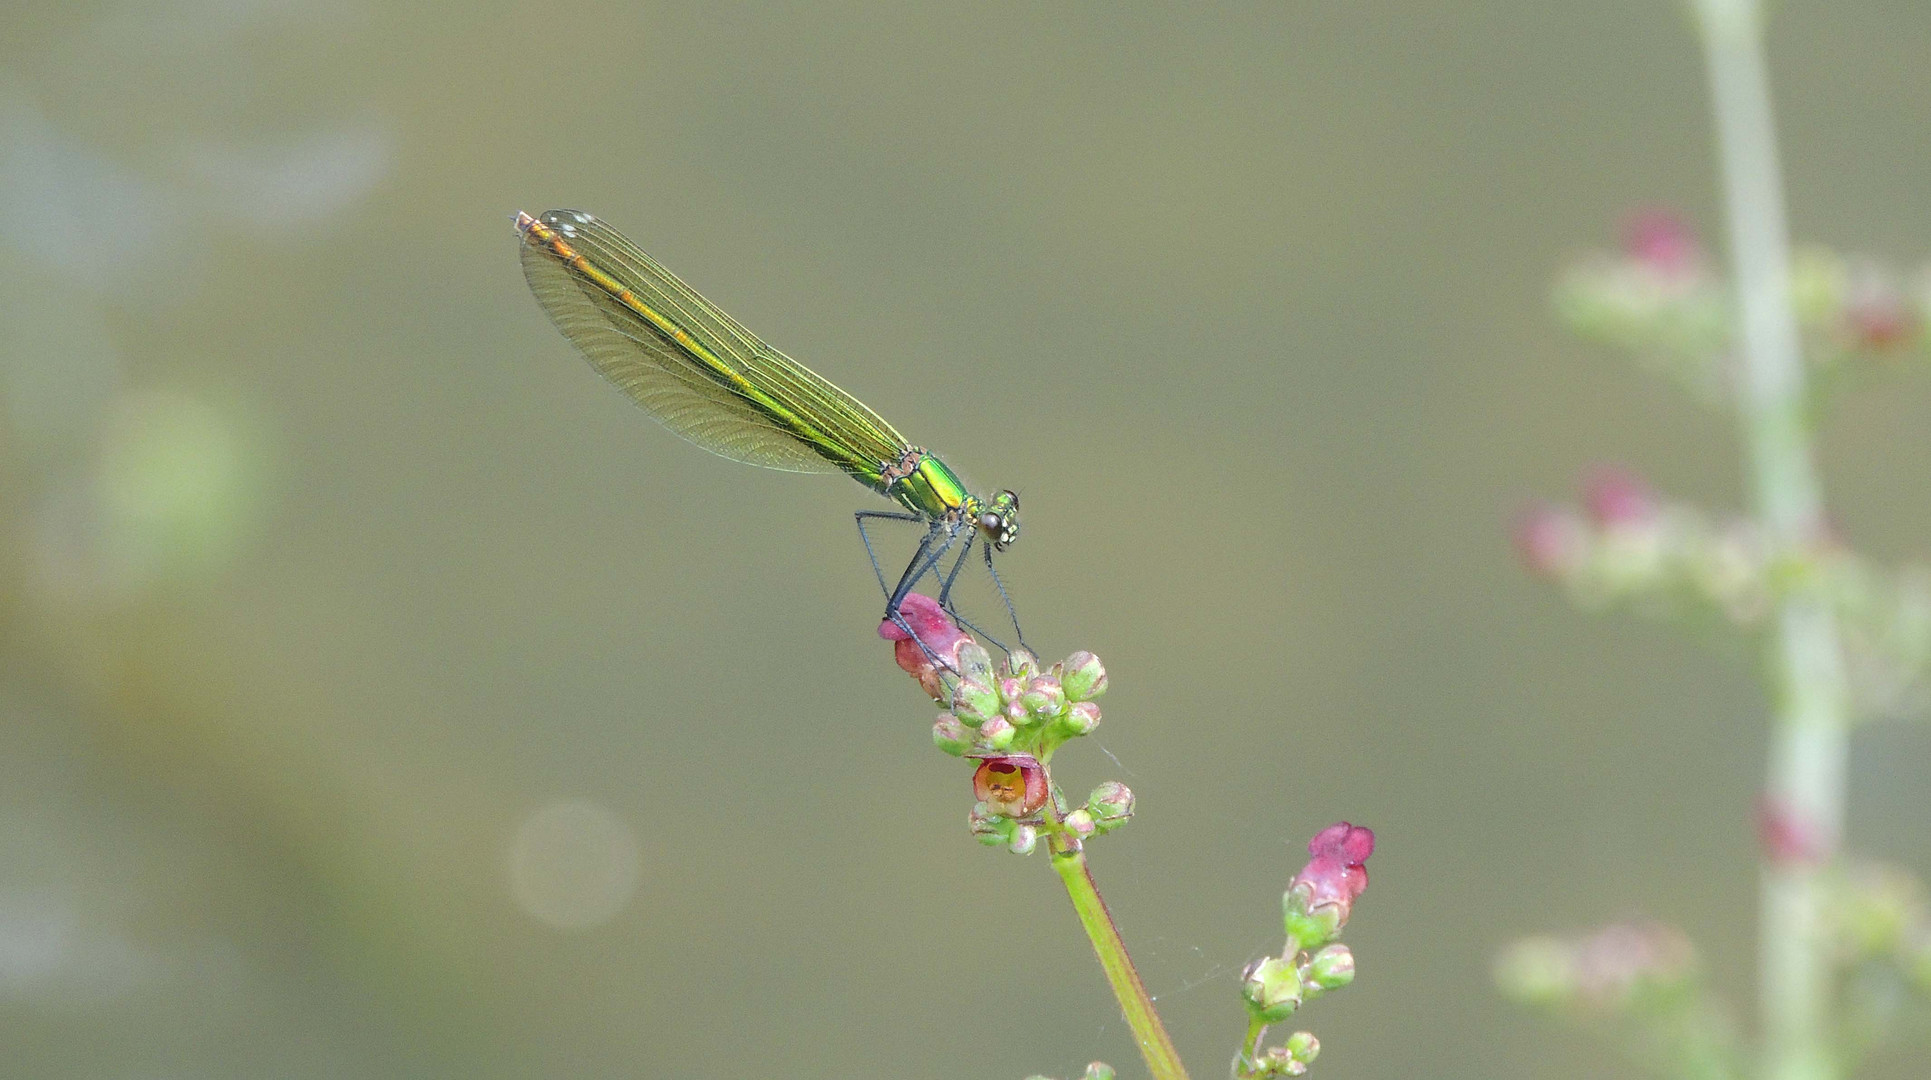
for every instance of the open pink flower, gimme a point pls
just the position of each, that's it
(1013, 785)
(936, 630)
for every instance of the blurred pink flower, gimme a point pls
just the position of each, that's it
(1876, 314)
(1786, 837)
(1661, 241)
(1549, 540)
(1616, 497)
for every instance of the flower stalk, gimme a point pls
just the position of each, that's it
(1156, 1046)
(1806, 772)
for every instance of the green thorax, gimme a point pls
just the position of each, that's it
(924, 485)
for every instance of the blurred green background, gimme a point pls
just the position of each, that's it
(383, 695)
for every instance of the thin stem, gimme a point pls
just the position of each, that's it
(1161, 1058)
(1805, 788)
(1251, 1045)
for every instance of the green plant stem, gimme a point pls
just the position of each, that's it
(1251, 1045)
(1155, 1046)
(1805, 788)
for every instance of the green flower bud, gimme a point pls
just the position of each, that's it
(951, 736)
(974, 664)
(1098, 1070)
(1043, 698)
(1021, 664)
(1332, 968)
(1272, 989)
(1083, 676)
(1310, 929)
(1111, 805)
(1302, 1047)
(1024, 839)
(988, 828)
(997, 733)
(1081, 719)
(975, 702)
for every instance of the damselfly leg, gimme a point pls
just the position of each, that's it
(933, 547)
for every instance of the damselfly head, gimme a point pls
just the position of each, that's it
(999, 520)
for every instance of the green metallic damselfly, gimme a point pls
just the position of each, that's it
(710, 380)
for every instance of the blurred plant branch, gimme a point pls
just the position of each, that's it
(1838, 954)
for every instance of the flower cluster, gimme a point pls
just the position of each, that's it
(1316, 906)
(1625, 546)
(1010, 719)
(1660, 300)
(1640, 979)
(1608, 970)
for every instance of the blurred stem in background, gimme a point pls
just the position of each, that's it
(1804, 797)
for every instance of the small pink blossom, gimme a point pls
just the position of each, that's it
(941, 637)
(1876, 314)
(1787, 837)
(1617, 497)
(1550, 541)
(1662, 242)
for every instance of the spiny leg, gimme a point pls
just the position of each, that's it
(885, 515)
(945, 589)
(1010, 613)
(923, 561)
(945, 594)
(896, 597)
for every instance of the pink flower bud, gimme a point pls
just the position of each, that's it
(1336, 874)
(940, 637)
(1081, 823)
(1082, 718)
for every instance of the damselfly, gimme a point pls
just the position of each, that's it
(708, 379)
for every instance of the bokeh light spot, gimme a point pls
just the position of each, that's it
(574, 865)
